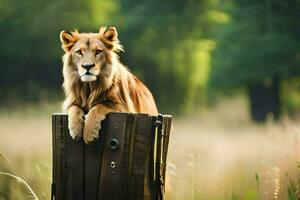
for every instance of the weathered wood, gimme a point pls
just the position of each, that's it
(112, 167)
(92, 162)
(67, 161)
(139, 157)
(167, 121)
(74, 165)
(126, 162)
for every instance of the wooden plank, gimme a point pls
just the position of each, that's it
(158, 156)
(152, 161)
(127, 154)
(74, 159)
(67, 161)
(167, 121)
(58, 157)
(140, 152)
(54, 160)
(130, 135)
(92, 163)
(112, 167)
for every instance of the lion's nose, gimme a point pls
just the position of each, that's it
(88, 66)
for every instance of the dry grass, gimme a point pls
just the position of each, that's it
(216, 154)
(25, 146)
(220, 154)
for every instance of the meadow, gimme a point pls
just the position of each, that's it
(214, 154)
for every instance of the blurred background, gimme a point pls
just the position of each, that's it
(228, 70)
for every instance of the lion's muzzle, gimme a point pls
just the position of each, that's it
(88, 66)
(88, 75)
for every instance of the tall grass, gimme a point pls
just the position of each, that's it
(221, 155)
(25, 146)
(22, 182)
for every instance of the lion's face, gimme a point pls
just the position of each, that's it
(90, 53)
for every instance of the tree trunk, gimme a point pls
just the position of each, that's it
(264, 100)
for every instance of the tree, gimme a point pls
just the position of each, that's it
(258, 49)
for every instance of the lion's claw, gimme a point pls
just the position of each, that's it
(75, 128)
(91, 128)
(76, 123)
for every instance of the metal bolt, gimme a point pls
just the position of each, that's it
(113, 144)
(112, 164)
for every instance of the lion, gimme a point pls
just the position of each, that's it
(97, 83)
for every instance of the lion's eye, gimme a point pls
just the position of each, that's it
(79, 52)
(98, 51)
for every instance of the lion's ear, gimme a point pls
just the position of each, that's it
(111, 34)
(110, 38)
(67, 39)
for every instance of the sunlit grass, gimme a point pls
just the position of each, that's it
(221, 154)
(25, 146)
(23, 182)
(213, 155)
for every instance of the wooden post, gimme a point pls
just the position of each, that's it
(128, 161)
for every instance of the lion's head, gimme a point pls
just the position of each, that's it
(90, 56)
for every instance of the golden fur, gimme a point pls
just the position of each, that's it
(107, 86)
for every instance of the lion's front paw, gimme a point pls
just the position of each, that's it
(76, 123)
(92, 126)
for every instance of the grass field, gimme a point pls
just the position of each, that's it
(214, 154)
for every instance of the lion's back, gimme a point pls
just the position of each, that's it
(142, 97)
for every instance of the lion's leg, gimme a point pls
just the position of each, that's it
(76, 121)
(93, 120)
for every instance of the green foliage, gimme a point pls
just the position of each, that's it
(291, 195)
(167, 45)
(291, 95)
(261, 41)
(291, 191)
